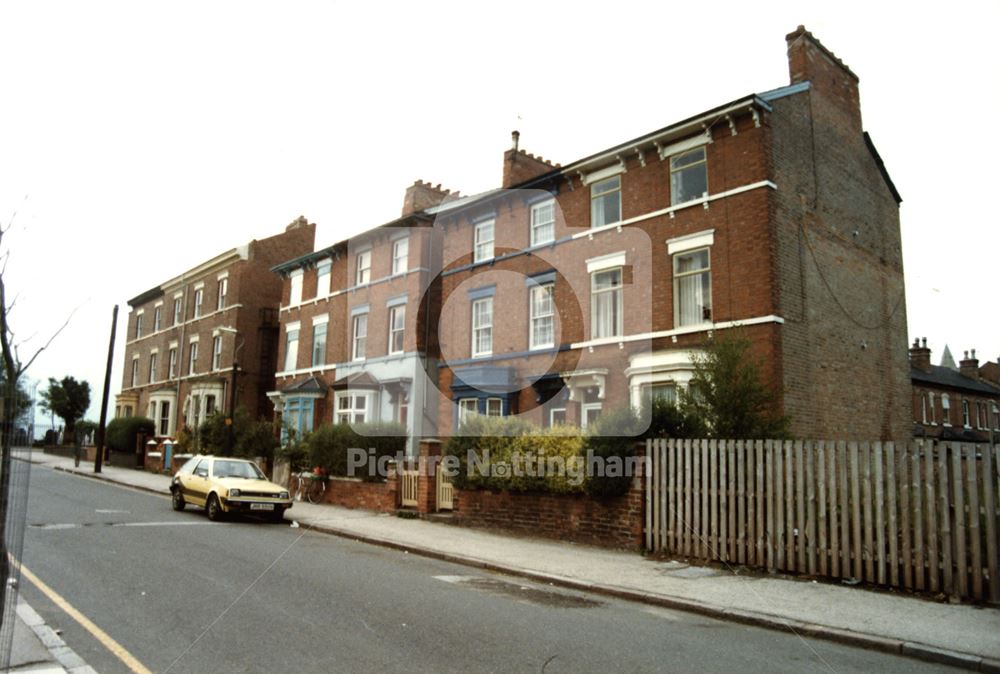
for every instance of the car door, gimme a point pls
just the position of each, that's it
(195, 485)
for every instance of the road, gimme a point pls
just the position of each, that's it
(180, 594)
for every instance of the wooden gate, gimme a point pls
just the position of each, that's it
(408, 487)
(922, 515)
(445, 499)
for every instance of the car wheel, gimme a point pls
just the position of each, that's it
(177, 501)
(213, 509)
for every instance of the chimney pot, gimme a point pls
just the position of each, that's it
(515, 138)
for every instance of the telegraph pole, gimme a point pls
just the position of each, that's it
(99, 441)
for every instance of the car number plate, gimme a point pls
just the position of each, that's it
(261, 506)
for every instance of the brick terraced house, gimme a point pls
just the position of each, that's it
(573, 289)
(953, 402)
(184, 334)
(355, 327)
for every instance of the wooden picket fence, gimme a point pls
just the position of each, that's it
(920, 516)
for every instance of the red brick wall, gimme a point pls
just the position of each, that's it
(615, 522)
(349, 493)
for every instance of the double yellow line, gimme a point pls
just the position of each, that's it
(116, 648)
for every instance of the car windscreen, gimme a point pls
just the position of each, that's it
(243, 469)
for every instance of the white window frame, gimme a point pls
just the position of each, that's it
(153, 357)
(401, 255)
(945, 410)
(163, 422)
(350, 413)
(317, 358)
(598, 197)
(397, 314)
(292, 337)
(199, 299)
(595, 296)
(552, 413)
(586, 407)
(295, 287)
(482, 327)
(323, 276)
(172, 362)
(193, 358)
(223, 292)
(996, 417)
(966, 414)
(359, 339)
(178, 306)
(492, 403)
(535, 318)
(933, 411)
(483, 248)
(138, 324)
(536, 224)
(676, 171)
(217, 352)
(363, 268)
(679, 276)
(468, 408)
(135, 371)
(157, 317)
(923, 409)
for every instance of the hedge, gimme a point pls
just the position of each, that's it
(121, 433)
(327, 447)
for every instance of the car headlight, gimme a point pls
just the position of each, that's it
(234, 493)
(283, 494)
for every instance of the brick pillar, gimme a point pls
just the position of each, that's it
(428, 456)
(392, 482)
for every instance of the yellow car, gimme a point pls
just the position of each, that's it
(222, 484)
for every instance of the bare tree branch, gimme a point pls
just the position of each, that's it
(48, 343)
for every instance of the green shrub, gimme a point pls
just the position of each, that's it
(512, 454)
(250, 438)
(121, 433)
(611, 441)
(668, 419)
(328, 446)
(481, 435)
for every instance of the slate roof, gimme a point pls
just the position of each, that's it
(310, 385)
(943, 376)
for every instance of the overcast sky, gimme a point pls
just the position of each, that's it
(140, 139)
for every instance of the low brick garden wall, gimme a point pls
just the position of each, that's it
(354, 493)
(612, 522)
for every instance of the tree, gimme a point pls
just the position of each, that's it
(68, 399)
(13, 367)
(252, 438)
(729, 394)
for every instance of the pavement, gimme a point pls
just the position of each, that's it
(960, 635)
(38, 649)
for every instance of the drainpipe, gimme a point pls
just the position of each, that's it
(180, 350)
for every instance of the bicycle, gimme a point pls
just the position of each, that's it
(311, 485)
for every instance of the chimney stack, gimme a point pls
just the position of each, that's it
(520, 166)
(920, 355)
(828, 76)
(969, 365)
(421, 195)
